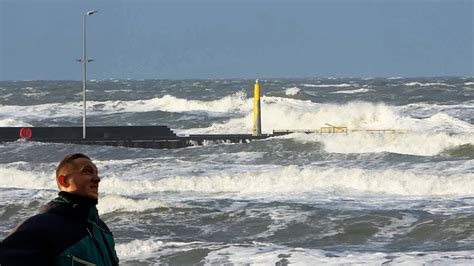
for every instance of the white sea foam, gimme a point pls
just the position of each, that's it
(293, 180)
(111, 203)
(41, 111)
(469, 83)
(236, 102)
(441, 207)
(36, 94)
(429, 109)
(427, 84)
(152, 249)
(413, 143)
(442, 122)
(288, 180)
(281, 218)
(343, 85)
(353, 91)
(277, 114)
(112, 91)
(170, 103)
(268, 254)
(10, 122)
(137, 247)
(292, 91)
(397, 226)
(14, 178)
(284, 113)
(6, 96)
(258, 253)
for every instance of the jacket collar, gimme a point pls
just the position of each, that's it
(71, 205)
(76, 199)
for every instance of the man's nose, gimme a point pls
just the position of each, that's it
(96, 178)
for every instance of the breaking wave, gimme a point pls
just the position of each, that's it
(292, 114)
(464, 150)
(413, 143)
(292, 180)
(282, 181)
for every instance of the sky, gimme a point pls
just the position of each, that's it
(207, 39)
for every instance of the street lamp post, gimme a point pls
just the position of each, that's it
(84, 69)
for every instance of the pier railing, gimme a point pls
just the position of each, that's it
(330, 129)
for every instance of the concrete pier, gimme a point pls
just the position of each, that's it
(155, 137)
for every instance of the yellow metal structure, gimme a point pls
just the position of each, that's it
(257, 119)
(334, 129)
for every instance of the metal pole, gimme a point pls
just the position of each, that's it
(84, 77)
(84, 69)
(257, 114)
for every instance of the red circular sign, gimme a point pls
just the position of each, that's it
(25, 133)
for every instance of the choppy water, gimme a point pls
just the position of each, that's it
(299, 199)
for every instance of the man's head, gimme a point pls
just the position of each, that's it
(77, 174)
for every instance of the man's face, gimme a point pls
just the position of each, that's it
(82, 178)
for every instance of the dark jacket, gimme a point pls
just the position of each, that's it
(67, 231)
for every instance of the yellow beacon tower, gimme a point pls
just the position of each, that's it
(257, 120)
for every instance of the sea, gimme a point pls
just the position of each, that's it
(363, 197)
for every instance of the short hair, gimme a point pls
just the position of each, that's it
(68, 160)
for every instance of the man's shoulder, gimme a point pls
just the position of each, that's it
(47, 228)
(39, 223)
(41, 236)
(49, 218)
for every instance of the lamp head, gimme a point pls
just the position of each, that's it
(91, 12)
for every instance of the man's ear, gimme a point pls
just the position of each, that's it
(63, 181)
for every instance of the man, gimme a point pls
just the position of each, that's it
(67, 230)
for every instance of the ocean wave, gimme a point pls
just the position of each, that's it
(343, 85)
(14, 178)
(443, 122)
(154, 250)
(36, 94)
(271, 254)
(276, 182)
(464, 150)
(6, 96)
(353, 91)
(10, 122)
(278, 113)
(111, 203)
(291, 114)
(292, 180)
(113, 91)
(432, 107)
(292, 91)
(427, 84)
(236, 102)
(231, 103)
(137, 247)
(412, 143)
